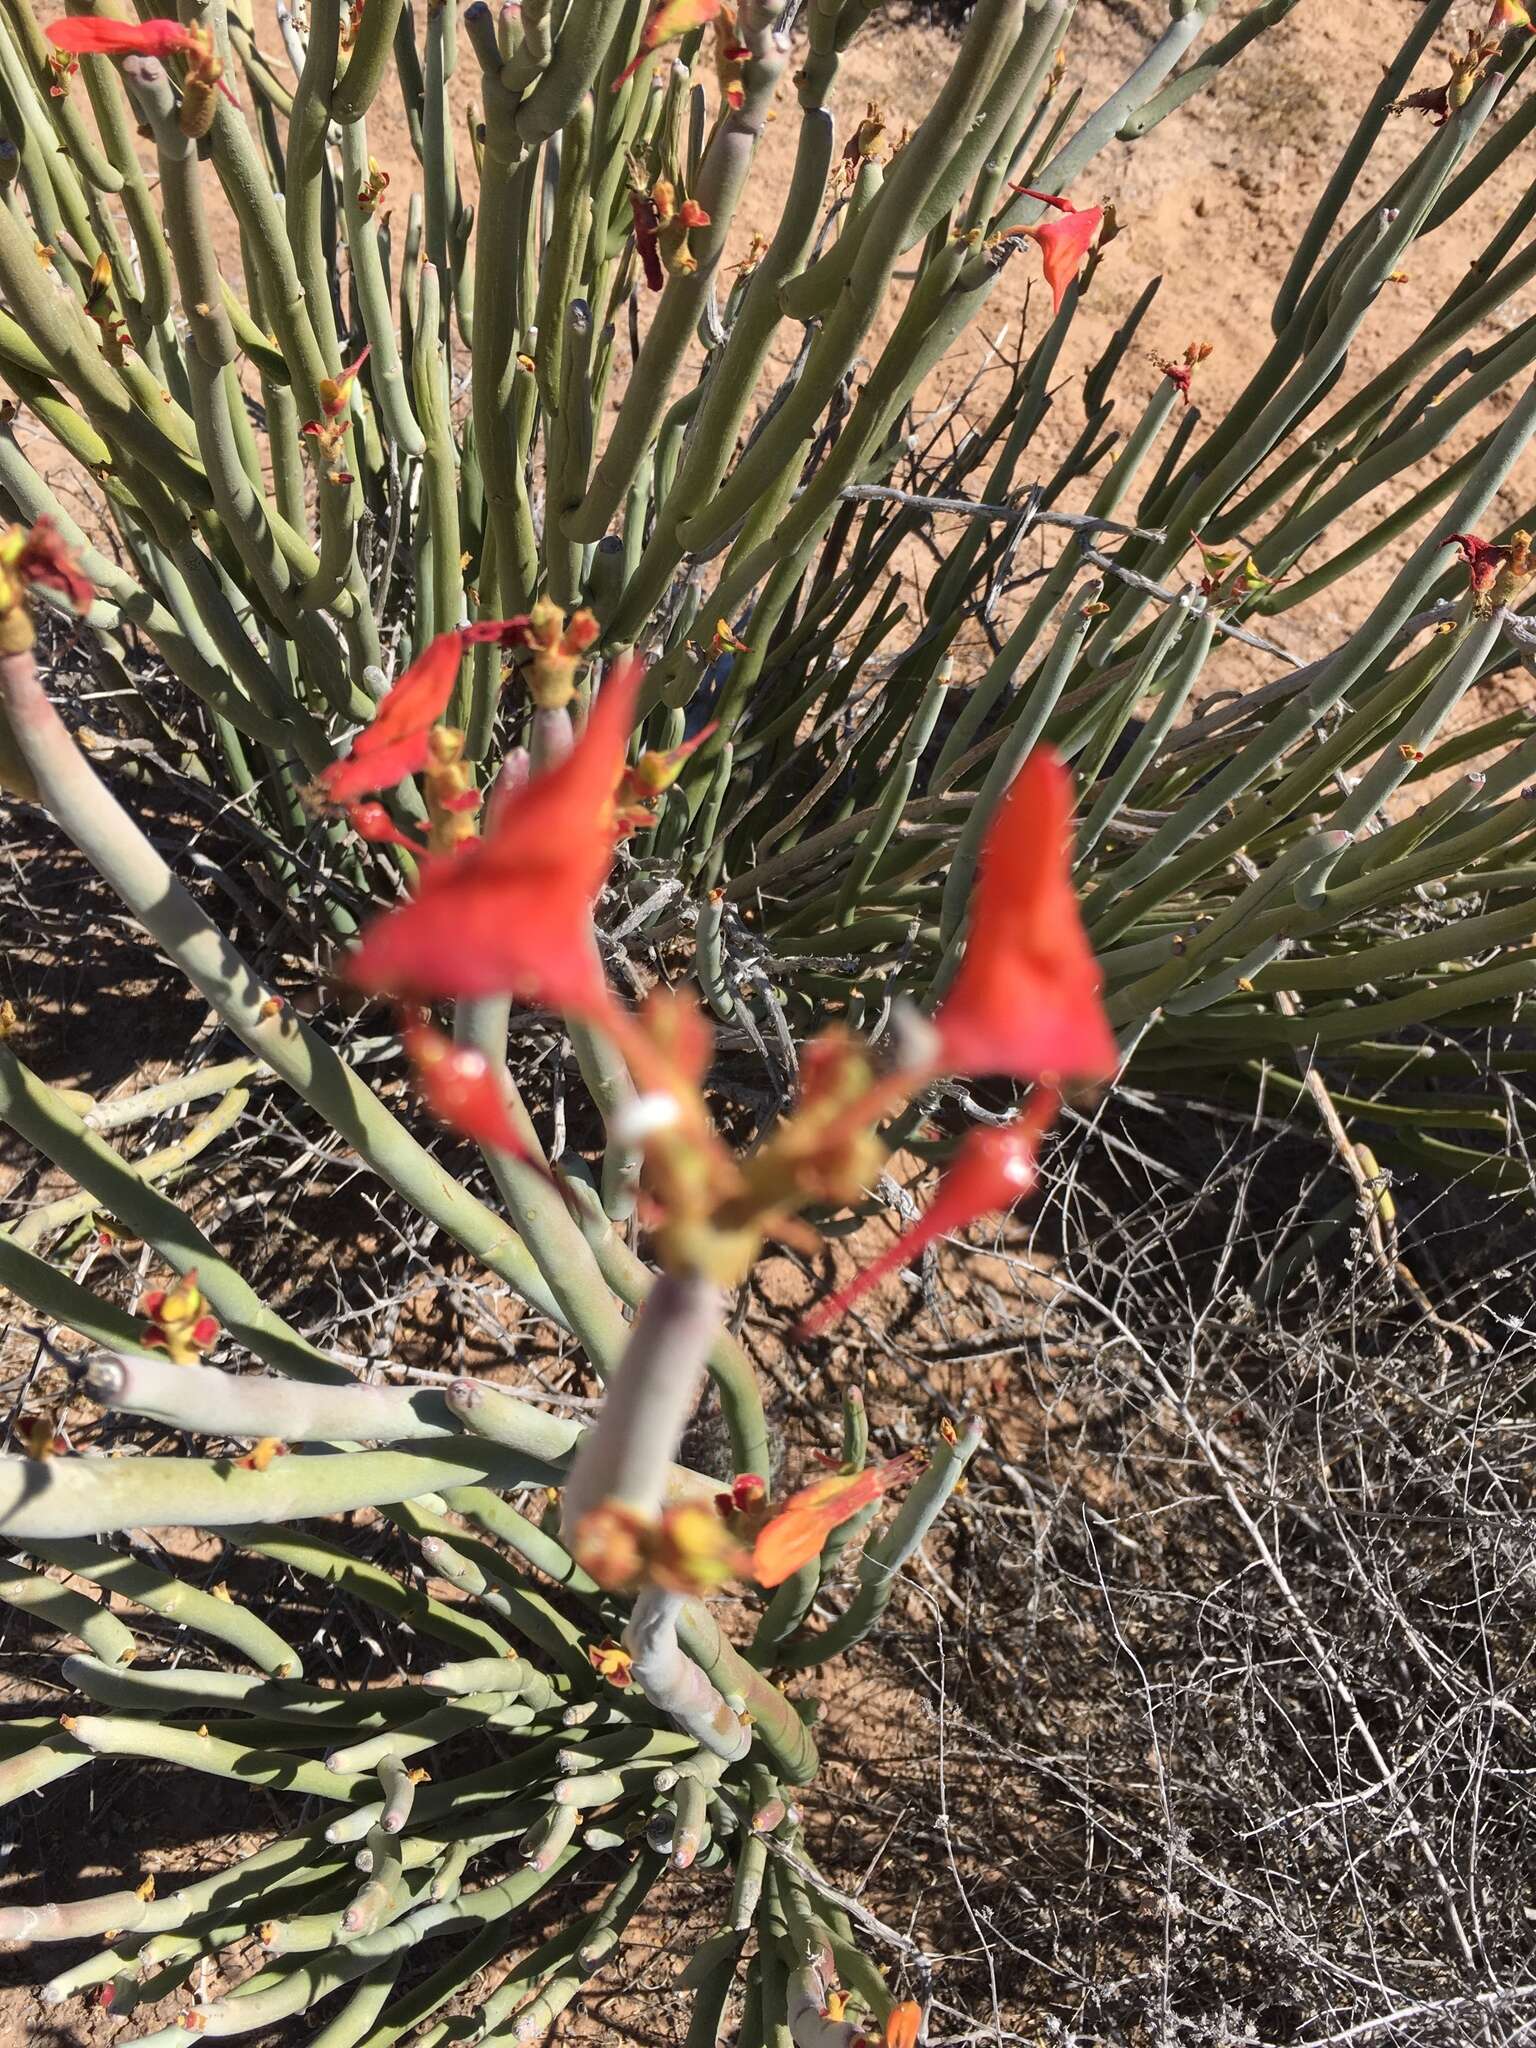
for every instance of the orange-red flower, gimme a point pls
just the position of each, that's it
(372, 822)
(1063, 243)
(395, 744)
(793, 1536)
(902, 2023)
(1026, 999)
(462, 1089)
(95, 35)
(511, 913)
(994, 1168)
(667, 20)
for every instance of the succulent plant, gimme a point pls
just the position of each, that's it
(459, 651)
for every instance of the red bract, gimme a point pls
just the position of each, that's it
(395, 745)
(994, 1168)
(92, 35)
(1026, 999)
(511, 914)
(462, 1089)
(1064, 243)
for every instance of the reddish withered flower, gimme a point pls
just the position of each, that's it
(1182, 374)
(1228, 575)
(1496, 572)
(511, 913)
(1467, 69)
(370, 192)
(643, 207)
(1483, 558)
(1026, 999)
(43, 559)
(994, 1168)
(1064, 243)
(796, 1533)
(462, 1089)
(665, 22)
(663, 223)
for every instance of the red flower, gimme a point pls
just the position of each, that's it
(462, 1089)
(1026, 999)
(994, 1168)
(1063, 243)
(372, 822)
(395, 745)
(94, 35)
(797, 1532)
(511, 914)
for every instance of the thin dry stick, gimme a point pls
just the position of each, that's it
(1330, 1671)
